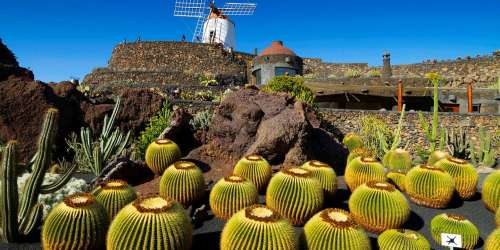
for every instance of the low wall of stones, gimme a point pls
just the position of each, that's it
(323, 70)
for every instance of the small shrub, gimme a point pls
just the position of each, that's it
(371, 128)
(374, 73)
(292, 85)
(352, 73)
(204, 95)
(201, 120)
(156, 126)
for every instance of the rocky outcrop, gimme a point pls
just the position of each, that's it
(9, 67)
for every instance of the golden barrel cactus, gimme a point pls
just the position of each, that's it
(455, 224)
(231, 194)
(436, 156)
(491, 190)
(183, 181)
(396, 239)
(325, 174)
(429, 186)
(397, 160)
(254, 168)
(114, 195)
(463, 173)
(398, 179)
(352, 141)
(497, 217)
(361, 170)
(160, 154)
(493, 240)
(357, 152)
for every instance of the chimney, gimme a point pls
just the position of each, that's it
(386, 70)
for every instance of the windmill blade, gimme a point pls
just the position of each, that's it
(238, 9)
(191, 8)
(198, 31)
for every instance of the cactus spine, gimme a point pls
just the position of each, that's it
(183, 181)
(395, 239)
(258, 227)
(254, 168)
(455, 224)
(493, 240)
(150, 223)
(437, 155)
(231, 194)
(397, 160)
(79, 222)
(352, 141)
(334, 229)
(429, 186)
(362, 170)
(160, 154)
(398, 179)
(497, 217)
(464, 175)
(357, 152)
(378, 206)
(324, 174)
(114, 195)
(295, 195)
(491, 191)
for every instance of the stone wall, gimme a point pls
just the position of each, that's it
(319, 69)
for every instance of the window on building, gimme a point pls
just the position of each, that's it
(476, 108)
(258, 77)
(281, 71)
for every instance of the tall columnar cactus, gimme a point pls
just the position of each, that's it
(295, 194)
(395, 239)
(437, 155)
(493, 240)
(114, 195)
(486, 156)
(183, 181)
(160, 154)
(397, 160)
(362, 170)
(254, 168)
(357, 152)
(21, 216)
(150, 223)
(455, 224)
(463, 173)
(352, 141)
(231, 194)
(334, 229)
(429, 186)
(491, 191)
(398, 179)
(258, 227)
(79, 222)
(379, 206)
(325, 174)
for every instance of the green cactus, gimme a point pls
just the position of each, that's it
(455, 224)
(352, 141)
(325, 174)
(231, 194)
(183, 181)
(397, 160)
(395, 239)
(79, 222)
(379, 206)
(436, 155)
(20, 216)
(491, 190)
(114, 195)
(295, 194)
(361, 170)
(486, 156)
(457, 142)
(463, 173)
(258, 227)
(429, 186)
(398, 179)
(334, 229)
(160, 154)
(150, 223)
(497, 217)
(493, 240)
(254, 168)
(357, 152)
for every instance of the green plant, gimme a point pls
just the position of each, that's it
(183, 181)
(436, 155)
(325, 174)
(493, 240)
(458, 142)
(20, 217)
(336, 225)
(352, 73)
(373, 130)
(352, 141)
(497, 217)
(398, 179)
(491, 191)
(395, 239)
(357, 152)
(204, 95)
(286, 186)
(231, 194)
(361, 170)
(486, 156)
(202, 120)
(160, 154)
(293, 85)
(429, 186)
(378, 206)
(374, 73)
(463, 173)
(205, 81)
(258, 227)
(455, 224)
(395, 158)
(150, 223)
(114, 195)
(79, 222)
(156, 125)
(254, 168)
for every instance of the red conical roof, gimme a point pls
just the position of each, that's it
(277, 48)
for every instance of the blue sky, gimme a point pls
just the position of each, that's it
(58, 39)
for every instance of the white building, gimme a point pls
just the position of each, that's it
(219, 29)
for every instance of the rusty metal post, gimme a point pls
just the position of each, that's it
(400, 95)
(469, 97)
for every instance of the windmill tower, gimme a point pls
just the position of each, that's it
(213, 24)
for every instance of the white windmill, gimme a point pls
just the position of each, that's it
(213, 24)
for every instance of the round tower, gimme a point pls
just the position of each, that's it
(275, 60)
(219, 29)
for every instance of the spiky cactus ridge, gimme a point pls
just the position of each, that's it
(325, 174)
(183, 181)
(436, 156)
(398, 179)
(295, 194)
(231, 194)
(160, 154)
(463, 173)
(395, 239)
(379, 206)
(150, 223)
(256, 169)
(455, 224)
(334, 229)
(493, 240)
(114, 195)
(357, 152)
(429, 186)
(362, 170)
(397, 160)
(497, 217)
(352, 141)
(79, 222)
(491, 191)
(258, 227)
